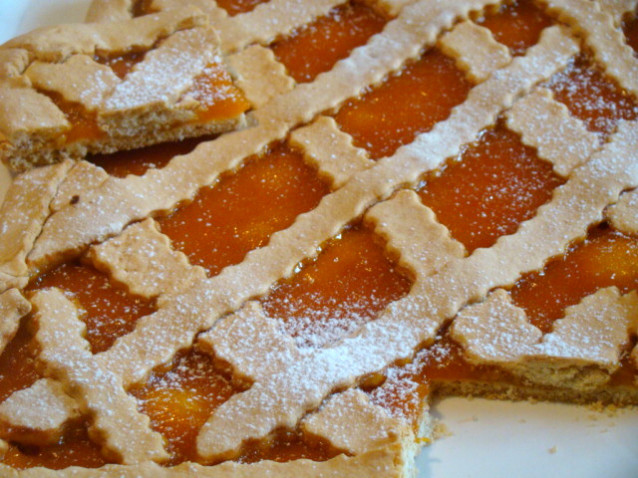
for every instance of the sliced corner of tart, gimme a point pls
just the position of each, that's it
(74, 89)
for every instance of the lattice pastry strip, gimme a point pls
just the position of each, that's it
(210, 298)
(34, 192)
(475, 50)
(250, 328)
(624, 135)
(330, 150)
(67, 355)
(142, 259)
(261, 25)
(410, 321)
(606, 41)
(119, 199)
(157, 100)
(593, 332)
(624, 214)
(225, 288)
(82, 176)
(110, 10)
(230, 336)
(27, 423)
(13, 306)
(618, 8)
(260, 75)
(354, 424)
(547, 125)
(92, 81)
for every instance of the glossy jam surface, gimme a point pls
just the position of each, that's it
(180, 400)
(350, 283)
(219, 98)
(107, 309)
(234, 7)
(138, 161)
(496, 184)
(517, 24)
(592, 97)
(287, 445)
(316, 47)
(73, 449)
(18, 362)
(604, 259)
(239, 213)
(404, 105)
(122, 64)
(630, 27)
(83, 122)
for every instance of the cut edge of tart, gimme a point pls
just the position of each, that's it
(99, 88)
(357, 398)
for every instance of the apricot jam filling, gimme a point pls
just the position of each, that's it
(121, 64)
(592, 97)
(108, 312)
(241, 211)
(495, 184)
(18, 362)
(218, 96)
(107, 309)
(83, 122)
(75, 448)
(630, 27)
(287, 445)
(404, 105)
(605, 258)
(138, 161)
(316, 47)
(180, 398)
(350, 283)
(516, 24)
(235, 7)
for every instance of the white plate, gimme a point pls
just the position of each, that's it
(489, 439)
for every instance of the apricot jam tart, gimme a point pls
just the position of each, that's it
(418, 197)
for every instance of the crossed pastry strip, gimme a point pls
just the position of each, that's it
(456, 280)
